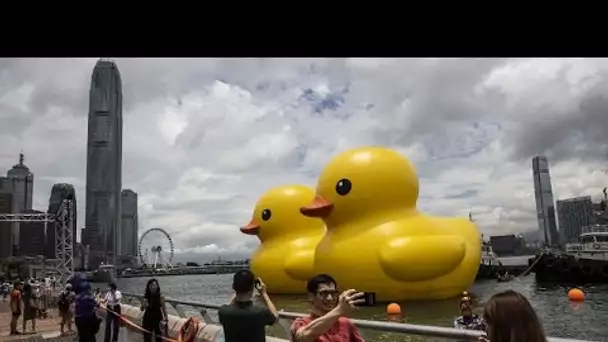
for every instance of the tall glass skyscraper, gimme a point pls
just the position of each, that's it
(545, 206)
(104, 165)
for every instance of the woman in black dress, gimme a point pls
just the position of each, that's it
(29, 307)
(154, 310)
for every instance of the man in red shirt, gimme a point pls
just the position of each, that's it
(327, 321)
(16, 308)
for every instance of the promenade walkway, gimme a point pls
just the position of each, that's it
(46, 329)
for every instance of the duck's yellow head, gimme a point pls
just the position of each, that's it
(277, 214)
(363, 183)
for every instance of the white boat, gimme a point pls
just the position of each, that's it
(592, 245)
(583, 262)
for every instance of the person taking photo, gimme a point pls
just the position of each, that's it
(328, 318)
(241, 319)
(66, 298)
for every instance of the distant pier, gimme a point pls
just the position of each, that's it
(207, 269)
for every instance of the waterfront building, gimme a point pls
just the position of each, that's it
(33, 238)
(545, 207)
(129, 225)
(508, 245)
(6, 207)
(600, 214)
(104, 165)
(23, 188)
(573, 214)
(60, 192)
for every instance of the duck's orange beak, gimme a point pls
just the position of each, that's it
(320, 207)
(251, 228)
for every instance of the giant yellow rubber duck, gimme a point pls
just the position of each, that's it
(285, 258)
(377, 240)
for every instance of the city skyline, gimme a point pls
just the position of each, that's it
(202, 136)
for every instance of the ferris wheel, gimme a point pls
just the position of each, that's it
(156, 248)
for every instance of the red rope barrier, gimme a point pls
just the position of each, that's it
(187, 332)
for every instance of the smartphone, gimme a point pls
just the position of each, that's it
(257, 284)
(369, 299)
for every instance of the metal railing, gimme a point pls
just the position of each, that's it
(287, 317)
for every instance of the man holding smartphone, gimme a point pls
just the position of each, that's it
(328, 318)
(243, 321)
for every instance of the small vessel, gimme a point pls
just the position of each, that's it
(489, 264)
(106, 273)
(505, 277)
(582, 262)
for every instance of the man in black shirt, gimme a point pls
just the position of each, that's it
(243, 321)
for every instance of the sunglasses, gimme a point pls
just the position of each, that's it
(326, 293)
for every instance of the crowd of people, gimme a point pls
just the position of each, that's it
(507, 316)
(29, 299)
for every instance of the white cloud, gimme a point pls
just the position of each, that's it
(203, 138)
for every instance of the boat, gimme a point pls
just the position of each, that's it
(503, 278)
(106, 273)
(489, 264)
(583, 262)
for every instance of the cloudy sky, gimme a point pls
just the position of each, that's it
(203, 138)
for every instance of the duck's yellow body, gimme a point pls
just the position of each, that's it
(376, 239)
(285, 258)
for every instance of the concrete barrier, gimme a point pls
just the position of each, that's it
(206, 332)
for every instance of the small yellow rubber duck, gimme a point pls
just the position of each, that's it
(285, 258)
(376, 239)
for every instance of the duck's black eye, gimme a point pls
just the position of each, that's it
(266, 214)
(343, 187)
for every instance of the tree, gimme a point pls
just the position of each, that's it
(192, 264)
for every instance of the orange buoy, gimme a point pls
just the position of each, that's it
(188, 331)
(393, 309)
(576, 295)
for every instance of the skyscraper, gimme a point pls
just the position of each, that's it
(23, 187)
(573, 214)
(32, 236)
(104, 164)
(129, 223)
(6, 206)
(60, 192)
(545, 207)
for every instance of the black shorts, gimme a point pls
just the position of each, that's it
(16, 314)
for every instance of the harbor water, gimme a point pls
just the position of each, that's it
(560, 317)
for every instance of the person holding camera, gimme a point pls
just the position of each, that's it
(328, 318)
(243, 321)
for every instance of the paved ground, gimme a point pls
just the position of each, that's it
(46, 329)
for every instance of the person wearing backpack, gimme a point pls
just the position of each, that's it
(66, 298)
